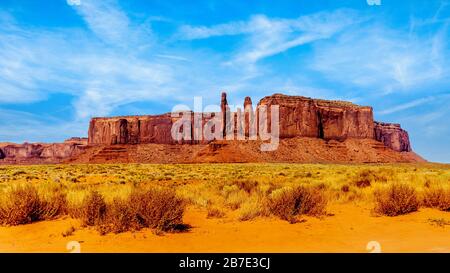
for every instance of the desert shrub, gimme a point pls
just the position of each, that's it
(93, 209)
(440, 222)
(427, 183)
(397, 199)
(252, 209)
(17, 173)
(246, 185)
(363, 182)
(310, 201)
(366, 177)
(23, 205)
(268, 188)
(321, 186)
(68, 232)
(54, 205)
(120, 217)
(436, 197)
(345, 193)
(233, 195)
(226, 190)
(214, 212)
(160, 209)
(235, 199)
(75, 211)
(345, 188)
(287, 203)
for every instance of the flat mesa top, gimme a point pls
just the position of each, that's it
(133, 116)
(280, 99)
(320, 102)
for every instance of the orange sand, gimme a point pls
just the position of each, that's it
(348, 230)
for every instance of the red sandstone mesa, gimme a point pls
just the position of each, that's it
(306, 117)
(393, 136)
(302, 120)
(35, 153)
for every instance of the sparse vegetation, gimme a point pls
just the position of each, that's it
(251, 210)
(120, 217)
(126, 197)
(397, 199)
(214, 212)
(368, 176)
(287, 203)
(24, 205)
(160, 209)
(154, 208)
(440, 222)
(68, 232)
(93, 209)
(436, 197)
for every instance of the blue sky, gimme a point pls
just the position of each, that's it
(64, 61)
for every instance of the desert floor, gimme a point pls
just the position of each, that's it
(227, 207)
(347, 228)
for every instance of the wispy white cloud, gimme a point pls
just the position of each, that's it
(111, 24)
(21, 68)
(383, 59)
(187, 32)
(265, 37)
(429, 123)
(35, 63)
(118, 61)
(102, 78)
(21, 126)
(172, 57)
(439, 17)
(407, 105)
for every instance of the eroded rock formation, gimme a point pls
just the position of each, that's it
(306, 117)
(300, 117)
(131, 130)
(393, 136)
(41, 152)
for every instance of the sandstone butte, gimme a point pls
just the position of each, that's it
(310, 130)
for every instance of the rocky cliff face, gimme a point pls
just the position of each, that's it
(40, 152)
(300, 117)
(131, 130)
(393, 136)
(306, 117)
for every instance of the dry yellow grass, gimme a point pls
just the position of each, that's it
(396, 199)
(223, 188)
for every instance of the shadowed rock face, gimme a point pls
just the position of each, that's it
(306, 117)
(393, 136)
(39, 153)
(131, 130)
(299, 117)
